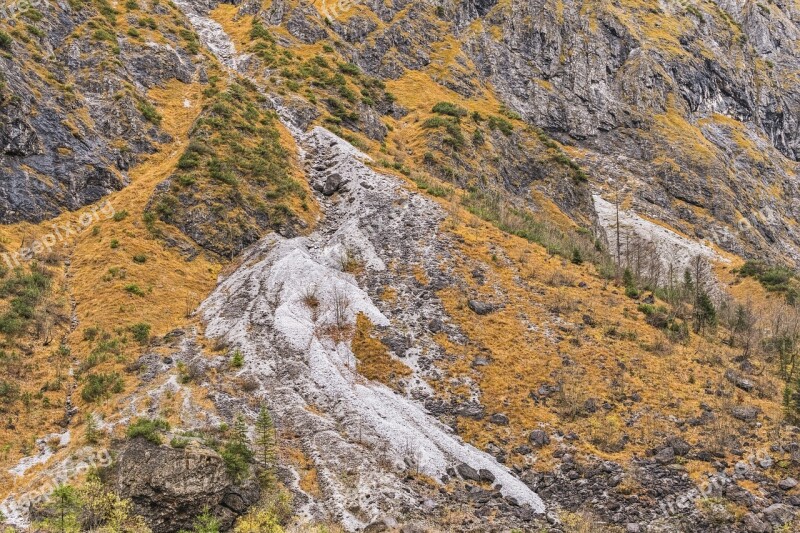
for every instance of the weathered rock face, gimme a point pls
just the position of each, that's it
(629, 71)
(170, 487)
(665, 100)
(685, 107)
(67, 139)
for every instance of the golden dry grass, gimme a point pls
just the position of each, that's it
(374, 360)
(305, 469)
(541, 325)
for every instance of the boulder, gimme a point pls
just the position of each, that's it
(469, 409)
(467, 472)
(745, 412)
(680, 446)
(753, 524)
(481, 308)
(486, 475)
(332, 184)
(499, 418)
(523, 449)
(435, 325)
(169, 487)
(538, 438)
(399, 344)
(778, 514)
(739, 381)
(376, 527)
(665, 455)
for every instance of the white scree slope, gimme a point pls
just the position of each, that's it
(260, 309)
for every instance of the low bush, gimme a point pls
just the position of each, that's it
(149, 112)
(140, 332)
(5, 41)
(453, 110)
(501, 124)
(134, 289)
(148, 428)
(101, 386)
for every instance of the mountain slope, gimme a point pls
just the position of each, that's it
(489, 266)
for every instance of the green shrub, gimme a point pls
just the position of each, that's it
(705, 313)
(149, 218)
(237, 360)
(147, 22)
(490, 206)
(580, 175)
(104, 35)
(179, 442)
(647, 309)
(455, 138)
(101, 386)
(205, 522)
(9, 392)
(140, 258)
(140, 332)
(696, 12)
(453, 110)
(90, 333)
(120, 215)
(631, 292)
(92, 433)
(435, 122)
(5, 41)
(32, 14)
(752, 268)
(258, 31)
(185, 180)
(11, 325)
(149, 112)
(237, 457)
(501, 124)
(107, 10)
(505, 111)
(134, 289)
(349, 69)
(678, 330)
(148, 428)
(431, 188)
(344, 91)
(235, 158)
(27, 289)
(33, 30)
(774, 278)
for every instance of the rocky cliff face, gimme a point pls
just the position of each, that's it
(74, 109)
(627, 84)
(685, 107)
(622, 85)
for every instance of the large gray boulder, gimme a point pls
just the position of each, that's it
(169, 487)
